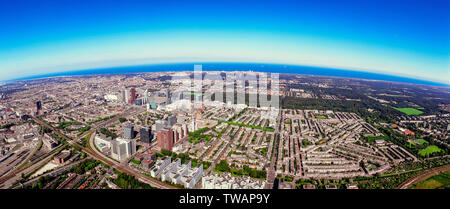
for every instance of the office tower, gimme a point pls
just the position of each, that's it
(180, 95)
(145, 133)
(165, 138)
(126, 95)
(132, 96)
(122, 148)
(38, 107)
(128, 132)
(168, 96)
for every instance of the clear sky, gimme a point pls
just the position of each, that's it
(399, 37)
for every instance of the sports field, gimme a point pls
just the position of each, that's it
(409, 110)
(373, 138)
(320, 117)
(429, 150)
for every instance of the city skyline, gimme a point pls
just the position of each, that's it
(409, 40)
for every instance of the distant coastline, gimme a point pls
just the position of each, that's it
(257, 67)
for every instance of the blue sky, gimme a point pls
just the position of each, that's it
(404, 37)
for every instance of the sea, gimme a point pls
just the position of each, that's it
(256, 67)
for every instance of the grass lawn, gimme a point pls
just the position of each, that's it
(429, 150)
(373, 138)
(429, 184)
(446, 173)
(137, 162)
(443, 179)
(409, 111)
(320, 117)
(433, 182)
(421, 141)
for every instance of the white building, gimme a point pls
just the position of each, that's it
(102, 142)
(169, 169)
(160, 165)
(111, 98)
(122, 148)
(191, 178)
(182, 170)
(226, 181)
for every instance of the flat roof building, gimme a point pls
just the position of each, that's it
(122, 148)
(165, 139)
(145, 134)
(128, 132)
(61, 158)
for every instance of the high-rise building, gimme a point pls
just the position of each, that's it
(132, 96)
(145, 133)
(122, 148)
(177, 96)
(165, 138)
(168, 96)
(180, 132)
(38, 107)
(128, 132)
(126, 95)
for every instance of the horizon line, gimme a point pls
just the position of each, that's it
(60, 73)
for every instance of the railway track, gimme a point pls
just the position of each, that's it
(142, 177)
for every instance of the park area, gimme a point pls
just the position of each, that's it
(413, 143)
(421, 141)
(409, 111)
(372, 139)
(429, 150)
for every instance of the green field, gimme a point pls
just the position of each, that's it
(438, 181)
(429, 150)
(417, 142)
(373, 138)
(137, 162)
(320, 117)
(421, 141)
(409, 111)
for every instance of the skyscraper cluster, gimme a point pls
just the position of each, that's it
(169, 133)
